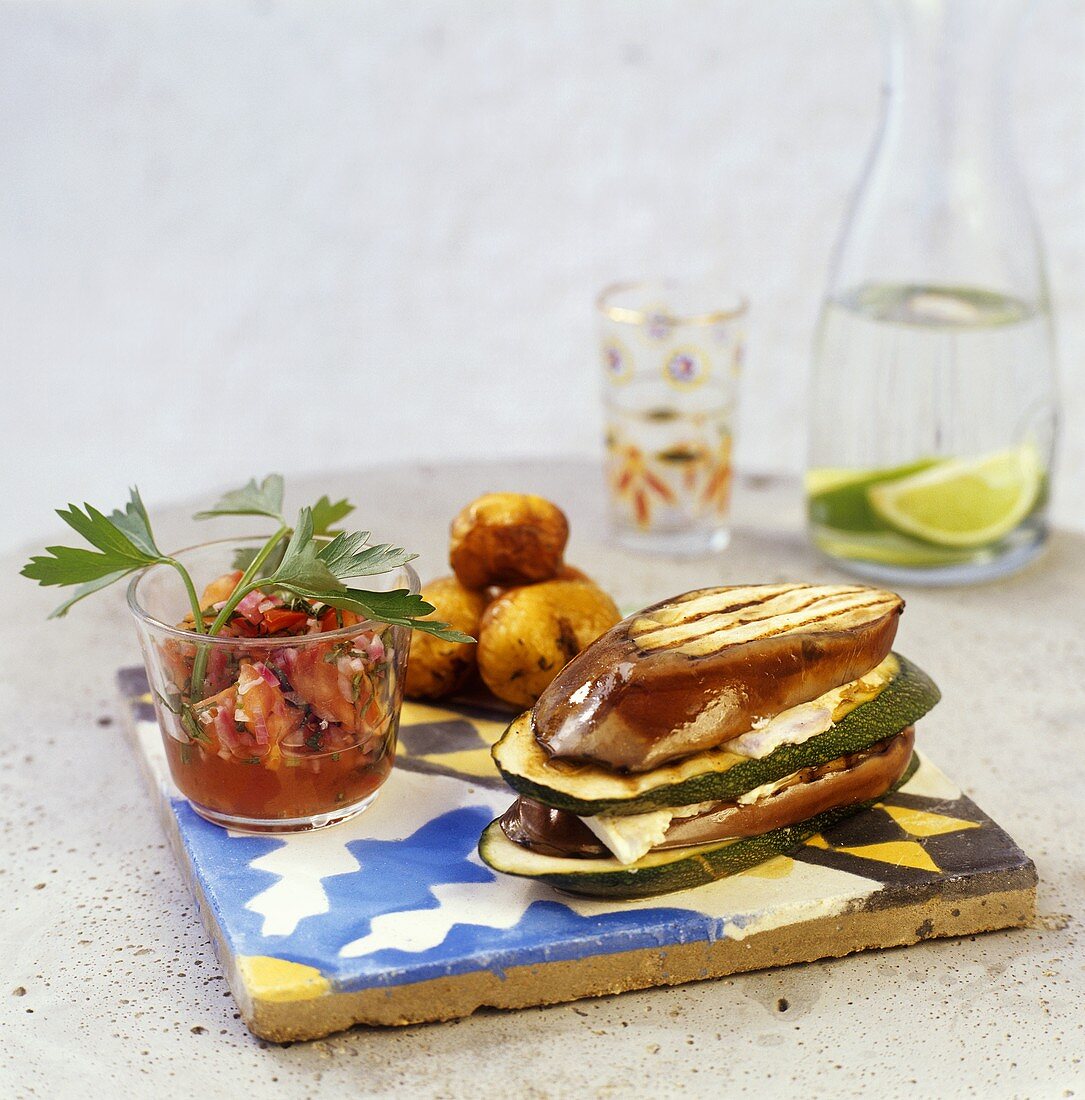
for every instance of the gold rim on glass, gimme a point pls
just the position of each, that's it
(630, 316)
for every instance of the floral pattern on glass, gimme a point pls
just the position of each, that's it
(617, 362)
(691, 478)
(675, 348)
(686, 368)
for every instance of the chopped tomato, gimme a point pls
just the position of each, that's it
(320, 683)
(373, 716)
(238, 627)
(277, 619)
(220, 589)
(267, 716)
(334, 619)
(177, 657)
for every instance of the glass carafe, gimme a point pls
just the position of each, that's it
(933, 405)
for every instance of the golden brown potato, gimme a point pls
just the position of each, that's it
(565, 573)
(571, 573)
(530, 633)
(437, 668)
(507, 539)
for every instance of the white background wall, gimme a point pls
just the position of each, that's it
(239, 236)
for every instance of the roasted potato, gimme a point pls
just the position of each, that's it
(507, 539)
(528, 634)
(565, 573)
(571, 573)
(437, 668)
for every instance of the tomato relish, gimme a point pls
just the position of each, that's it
(285, 731)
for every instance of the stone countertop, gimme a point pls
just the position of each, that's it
(108, 976)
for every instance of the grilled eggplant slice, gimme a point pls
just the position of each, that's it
(861, 720)
(692, 672)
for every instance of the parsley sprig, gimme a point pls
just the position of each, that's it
(309, 559)
(123, 543)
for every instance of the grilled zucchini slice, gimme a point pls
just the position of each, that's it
(659, 872)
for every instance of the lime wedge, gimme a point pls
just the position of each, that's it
(837, 498)
(963, 502)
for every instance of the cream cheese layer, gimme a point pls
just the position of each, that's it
(799, 724)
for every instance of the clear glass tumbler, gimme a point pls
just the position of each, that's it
(933, 396)
(286, 733)
(671, 355)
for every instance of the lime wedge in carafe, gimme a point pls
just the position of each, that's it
(962, 502)
(837, 498)
(927, 513)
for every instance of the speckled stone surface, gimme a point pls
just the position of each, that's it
(107, 975)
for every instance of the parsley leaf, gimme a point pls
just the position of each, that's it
(122, 542)
(302, 570)
(135, 523)
(76, 565)
(116, 552)
(326, 513)
(348, 556)
(100, 531)
(265, 499)
(399, 607)
(84, 590)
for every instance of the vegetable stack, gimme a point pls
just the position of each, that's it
(705, 734)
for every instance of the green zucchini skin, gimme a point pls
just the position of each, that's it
(685, 869)
(905, 699)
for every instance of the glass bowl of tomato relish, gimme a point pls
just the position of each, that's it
(294, 724)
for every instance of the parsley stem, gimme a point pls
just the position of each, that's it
(193, 599)
(245, 585)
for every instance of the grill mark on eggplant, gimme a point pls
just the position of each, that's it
(767, 605)
(650, 639)
(688, 646)
(794, 615)
(656, 625)
(718, 599)
(713, 609)
(731, 611)
(825, 617)
(762, 594)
